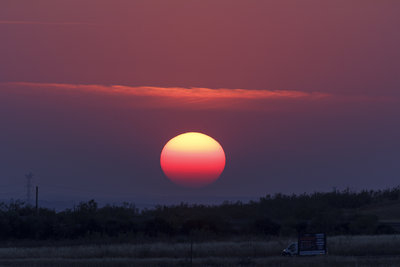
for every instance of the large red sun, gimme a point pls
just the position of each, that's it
(192, 159)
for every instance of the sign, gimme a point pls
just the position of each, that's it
(312, 244)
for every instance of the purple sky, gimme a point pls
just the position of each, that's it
(302, 95)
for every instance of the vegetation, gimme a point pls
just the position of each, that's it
(380, 250)
(336, 213)
(208, 262)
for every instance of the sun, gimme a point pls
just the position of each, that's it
(192, 159)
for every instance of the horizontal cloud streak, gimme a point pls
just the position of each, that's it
(195, 98)
(179, 92)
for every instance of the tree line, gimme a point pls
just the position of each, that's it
(336, 213)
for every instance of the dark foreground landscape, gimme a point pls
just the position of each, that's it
(343, 251)
(362, 229)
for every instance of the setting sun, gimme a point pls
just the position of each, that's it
(192, 159)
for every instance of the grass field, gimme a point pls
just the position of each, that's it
(343, 251)
(163, 262)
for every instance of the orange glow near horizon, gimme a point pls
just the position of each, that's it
(192, 159)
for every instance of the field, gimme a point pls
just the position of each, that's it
(343, 251)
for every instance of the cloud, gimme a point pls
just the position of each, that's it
(203, 98)
(180, 92)
(195, 98)
(186, 98)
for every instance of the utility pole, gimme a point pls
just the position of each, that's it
(29, 178)
(37, 200)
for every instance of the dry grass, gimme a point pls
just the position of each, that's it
(330, 261)
(364, 245)
(343, 251)
(154, 250)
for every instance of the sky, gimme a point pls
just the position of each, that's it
(302, 95)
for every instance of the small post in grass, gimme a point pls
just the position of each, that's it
(191, 250)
